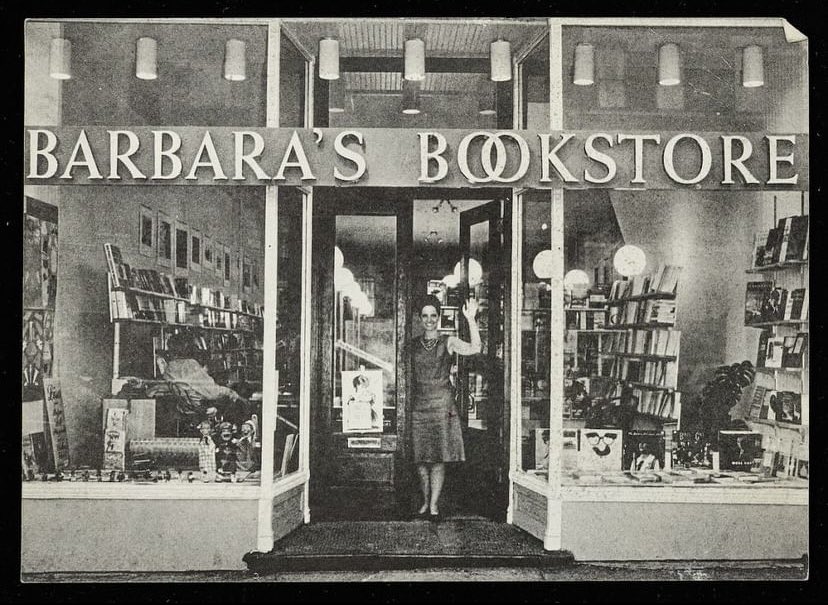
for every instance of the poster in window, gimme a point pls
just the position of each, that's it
(165, 240)
(600, 450)
(53, 399)
(207, 260)
(195, 250)
(146, 232)
(228, 266)
(182, 248)
(362, 396)
(218, 258)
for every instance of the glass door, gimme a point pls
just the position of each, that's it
(481, 377)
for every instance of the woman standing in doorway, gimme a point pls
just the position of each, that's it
(436, 433)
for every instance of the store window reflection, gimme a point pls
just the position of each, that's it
(365, 388)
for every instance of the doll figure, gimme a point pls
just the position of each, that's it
(206, 452)
(246, 444)
(226, 452)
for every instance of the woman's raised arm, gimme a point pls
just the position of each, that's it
(461, 347)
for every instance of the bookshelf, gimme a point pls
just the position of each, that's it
(228, 335)
(642, 349)
(780, 275)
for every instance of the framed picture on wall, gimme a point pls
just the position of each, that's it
(146, 232)
(196, 248)
(218, 258)
(247, 277)
(207, 259)
(182, 248)
(228, 265)
(165, 240)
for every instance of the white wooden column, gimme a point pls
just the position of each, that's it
(552, 536)
(516, 412)
(270, 377)
(306, 349)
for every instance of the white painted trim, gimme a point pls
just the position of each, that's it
(293, 39)
(531, 46)
(306, 347)
(273, 74)
(696, 494)
(516, 298)
(531, 482)
(555, 77)
(289, 482)
(197, 490)
(672, 21)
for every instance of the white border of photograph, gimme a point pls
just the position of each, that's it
(162, 260)
(146, 214)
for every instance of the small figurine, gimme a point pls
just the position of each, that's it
(72, 475)
(206, 451)
(44, 477)
(167, 476)
(98, 475)
(226, 452)
(30, 474)
(112, 476)
(190, 477)
(121, 476)
(85, 475)
(246, 444)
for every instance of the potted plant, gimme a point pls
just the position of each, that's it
(710, 411)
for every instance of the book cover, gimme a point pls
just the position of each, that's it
(785, 225)
(115, 439)
(762, 349)
(643, 451)
(793, 351)
(797, 238)
(772, 246)
(773, 308)
(759, 241)
(775, 351)
(740, 450)
(691, 449)
(57, 422)
(796, 307)
(569, 453)
(756, 293)
(769, 405)
(756, 401)
(788, 407)
(600, 450)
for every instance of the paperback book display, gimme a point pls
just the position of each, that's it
(740, 450)
(643, 451)
(781, 352)
(785, 243)
(766, 303)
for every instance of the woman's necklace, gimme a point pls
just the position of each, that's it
(429, 344)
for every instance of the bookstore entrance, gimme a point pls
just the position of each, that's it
(377, 253)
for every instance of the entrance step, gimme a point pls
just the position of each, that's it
(361, 545)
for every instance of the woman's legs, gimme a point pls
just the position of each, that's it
(425, 486)
(438, 475)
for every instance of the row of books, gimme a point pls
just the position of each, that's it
(786, 242)
(770, 404)
(585, 320)
(663, 281)
(664, 404)
(646, 311)
(642, 451)
(595, 298)
(125, 277)
(767, 303)
(662, 342)
(653, 373)
(781, 351)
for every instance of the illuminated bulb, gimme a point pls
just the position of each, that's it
(339, 258)
(576, 278)
(451, 280)
(629, 260)
(542, 265)
(342, 278)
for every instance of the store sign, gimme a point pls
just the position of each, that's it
(414, 158)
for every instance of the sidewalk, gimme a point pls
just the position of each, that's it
(577, 572)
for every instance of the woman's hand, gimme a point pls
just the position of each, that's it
(470, 309)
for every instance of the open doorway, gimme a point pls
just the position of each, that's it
(376, 251)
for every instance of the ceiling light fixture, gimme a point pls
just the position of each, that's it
(411, 98)
(146, 59)
(753, 67)
(669, 65)
(60, 59)
(415, 60)
(329, 59)
(500, 55)
(235, 65)
(584, 65)
(439, 205)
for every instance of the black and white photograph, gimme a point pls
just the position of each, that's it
(396, 299)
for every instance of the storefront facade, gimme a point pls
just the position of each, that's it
(282, 192)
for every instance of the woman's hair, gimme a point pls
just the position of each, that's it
(428, 301)
(361, 379)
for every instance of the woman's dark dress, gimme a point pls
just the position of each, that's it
(436, 433)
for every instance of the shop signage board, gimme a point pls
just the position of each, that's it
(101, 155)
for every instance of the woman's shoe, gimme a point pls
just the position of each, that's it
(435, 517)
(422, 515)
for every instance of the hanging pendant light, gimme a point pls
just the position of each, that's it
(60, 59)
(584, 65)
(486, 98)
(329, 59)
(500, 54)
(146, 59)
(336, 96)
(753, 67)
(235, 65)
(411, 98)
(414, 60)
(669, 68)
